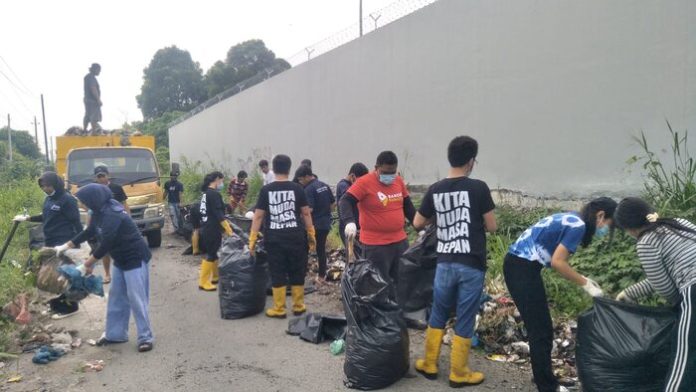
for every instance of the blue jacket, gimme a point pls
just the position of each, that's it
(60, 216)
(113, 227)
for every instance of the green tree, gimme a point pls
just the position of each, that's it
(22, 143)
(172, 81)
(244, 61)
(157, 127)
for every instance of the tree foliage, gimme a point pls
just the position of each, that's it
(244, 61)
(172, 81)
(22, 143)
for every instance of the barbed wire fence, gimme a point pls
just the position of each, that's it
(371, 22)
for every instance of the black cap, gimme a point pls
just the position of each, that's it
(101, 170)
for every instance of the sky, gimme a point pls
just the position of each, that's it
(47, 46)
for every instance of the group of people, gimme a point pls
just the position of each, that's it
(294, 218)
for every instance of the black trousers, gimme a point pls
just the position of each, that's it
(210, 242)
(386, 259)
(682, 370)
(523, 280)
(321, 236)
(287, 263)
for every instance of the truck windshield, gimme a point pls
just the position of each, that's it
(126, 165)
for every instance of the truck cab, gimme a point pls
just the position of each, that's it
(133, 167)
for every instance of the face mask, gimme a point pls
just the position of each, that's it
(220, 186)
(51, 194)
(387, 179)
(90, 212)
(602, 231)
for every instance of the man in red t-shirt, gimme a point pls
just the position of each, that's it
(383, 205)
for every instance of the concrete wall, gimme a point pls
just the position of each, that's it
(553, 91)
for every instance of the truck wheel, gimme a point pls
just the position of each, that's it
(154, 238)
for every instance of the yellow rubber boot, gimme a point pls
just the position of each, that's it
(428, 365)
(195, 248)
(298, 306)
(278, 309)
(204, 276)
(215, 275)
(460, 374)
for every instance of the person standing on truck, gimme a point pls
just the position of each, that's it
(130, 291)
(384, 204)
(666, 249)
(213, 225)
(268, 175)
(321, 203)
(237, 192)
(101, 176)
(356, 171)
(173, 192)
(92, 100)
(462, 210)
(288, 231)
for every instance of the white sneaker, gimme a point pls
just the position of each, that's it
(60, 316)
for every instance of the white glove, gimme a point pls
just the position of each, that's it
(20, 218)
(623, 297)
(60, 249)
(350, 231)
(592, 288)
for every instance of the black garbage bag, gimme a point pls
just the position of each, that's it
(624, 347)
(317, 328)
(242, 285)
(377, 343)
(191, 219)
(416, 276)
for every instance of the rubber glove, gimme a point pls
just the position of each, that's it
(253, 237)
(592, 288)
(350, 231)
(20, 218)
(623, 297)
(226, 226)
(312, 239)
(60, 249)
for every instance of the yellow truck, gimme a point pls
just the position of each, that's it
(132, 164)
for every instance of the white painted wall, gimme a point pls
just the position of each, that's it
(553, 91)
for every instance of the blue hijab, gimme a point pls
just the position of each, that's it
(99, 199)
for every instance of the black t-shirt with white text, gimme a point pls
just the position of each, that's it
(283, 202)
(458, 205)
(118, 193)
(212, 210)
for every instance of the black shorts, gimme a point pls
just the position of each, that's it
(287, 263)
(92, 111)
(210, 242)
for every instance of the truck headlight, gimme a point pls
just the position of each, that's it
(154, 212)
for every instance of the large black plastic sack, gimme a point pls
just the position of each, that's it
(316, 327)
(624, 347)
(377, 345)
(242, 285)
(417, 273)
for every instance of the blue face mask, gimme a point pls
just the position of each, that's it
(90, 212)
(221, 186)
(387, 179)
(602, 231)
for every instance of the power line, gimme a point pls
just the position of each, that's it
(26, 89)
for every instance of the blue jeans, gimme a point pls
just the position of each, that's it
(130, 292)
(457, 286)
(175, 215)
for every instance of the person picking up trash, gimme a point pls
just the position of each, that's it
(288, 231)
(667, 252)
(213, 225)
(356, 171)
(101, 176)
(384, 204)
(321, 203)
(550, 243)
(237, 191)
(462, 209)
(130, 287)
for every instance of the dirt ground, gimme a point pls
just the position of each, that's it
(197, 350)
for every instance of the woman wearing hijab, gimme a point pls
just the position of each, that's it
(130, 285)
(60, 216)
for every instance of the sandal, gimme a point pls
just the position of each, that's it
(145, 347)
(106, 280)
(103, 341)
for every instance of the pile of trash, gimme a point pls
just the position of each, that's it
(79, 131)
(335, 264)
(501, 333)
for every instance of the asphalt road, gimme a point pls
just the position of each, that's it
(196, 350)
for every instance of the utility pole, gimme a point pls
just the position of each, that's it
(52, 157)
(360, 18)
(43, 115)
(36, 133)
(9, 135)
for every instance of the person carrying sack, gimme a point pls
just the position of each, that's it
(288, 232)
(667, 252)
(462, 209)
